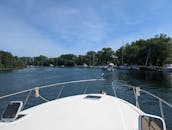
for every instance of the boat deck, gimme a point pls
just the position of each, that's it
(82, 112)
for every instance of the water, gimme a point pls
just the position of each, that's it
(158, 83)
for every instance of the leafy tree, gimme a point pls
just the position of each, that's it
(154, 51)
(105, 56)
(91, 58)
(40, 60)
(67, 59)
(6, 59)
(81, 59)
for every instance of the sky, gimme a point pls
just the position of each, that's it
(55, 27)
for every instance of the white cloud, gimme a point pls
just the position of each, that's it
(54, 27)
(23, 40)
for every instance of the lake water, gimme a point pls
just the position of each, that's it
(158, 83)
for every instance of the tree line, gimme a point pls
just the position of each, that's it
(155, 51)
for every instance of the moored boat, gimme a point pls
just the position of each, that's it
(124, 67)
(167, 67)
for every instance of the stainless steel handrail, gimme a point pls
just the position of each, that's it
(50, 85)
(137, 91)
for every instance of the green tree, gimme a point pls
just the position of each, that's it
(153, 51)
(91, 58)
(6, 59)
(40, 60)
(67, 59)
(105, 56)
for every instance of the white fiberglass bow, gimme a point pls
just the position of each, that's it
(81, 112)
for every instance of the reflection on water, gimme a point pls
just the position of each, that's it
(159, 83)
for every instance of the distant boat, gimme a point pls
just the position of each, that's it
(90, 66)
(124, 67)
(109, 67)
(51, 65)
(85, 65)
(167, 67)
(62, 66)
(29, 66)
(135, 67)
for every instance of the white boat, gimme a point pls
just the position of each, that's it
(51, 65)
(124, 67)
(109, 67)
(81, 112)
(167, 67)
(135, 67)
(84, 66)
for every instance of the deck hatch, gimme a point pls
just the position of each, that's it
(92, 97)
(12, 110)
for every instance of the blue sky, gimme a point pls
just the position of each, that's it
(54, 27)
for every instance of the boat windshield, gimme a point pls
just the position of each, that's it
(151, 123)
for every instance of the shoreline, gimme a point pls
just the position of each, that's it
(11, 69)
(141, 68)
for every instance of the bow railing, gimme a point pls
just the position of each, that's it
(136, 91)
